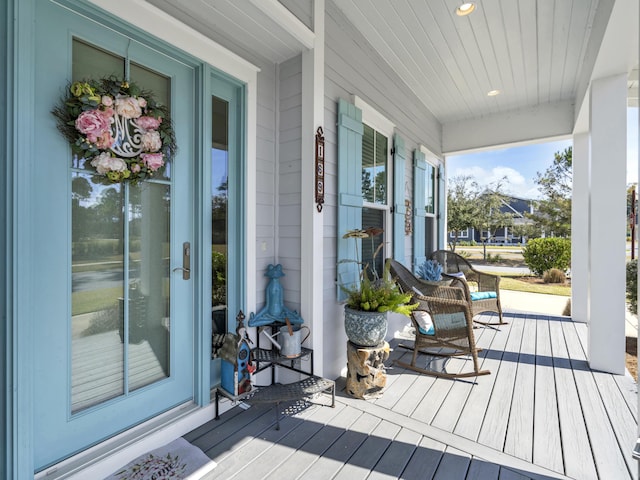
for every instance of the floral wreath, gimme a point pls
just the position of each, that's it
(119, 129)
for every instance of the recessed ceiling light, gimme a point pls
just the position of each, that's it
(493, 93)
(465, 9)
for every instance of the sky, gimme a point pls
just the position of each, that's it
(520, 164)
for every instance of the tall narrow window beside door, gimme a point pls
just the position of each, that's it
(219, 211)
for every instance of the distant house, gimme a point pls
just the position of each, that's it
(518, 207)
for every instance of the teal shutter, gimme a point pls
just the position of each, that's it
(349, 192)
(442, 220)
(398, 198)
(419, 213)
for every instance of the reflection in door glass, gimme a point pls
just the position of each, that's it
(149, 299)
(97, 279)
(219, 208)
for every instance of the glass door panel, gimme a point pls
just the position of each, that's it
(97, 360)
(149, 299)
(219, 212)
(124, 230)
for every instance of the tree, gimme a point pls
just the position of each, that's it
(554, 210)
(489, 216)
(461, 206)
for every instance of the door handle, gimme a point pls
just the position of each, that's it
(186, 261)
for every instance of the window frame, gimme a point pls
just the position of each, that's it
(431, 218)
(380, 124)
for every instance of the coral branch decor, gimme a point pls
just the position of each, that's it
(120, 130)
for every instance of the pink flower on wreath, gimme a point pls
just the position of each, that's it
(93, 123)
(128, 107)
(151, 141)
(135, 168)
(105, 141)
(142, 102)
(153, 161)
(107, 101)
(148, 123)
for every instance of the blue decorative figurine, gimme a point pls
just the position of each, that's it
(275, 310)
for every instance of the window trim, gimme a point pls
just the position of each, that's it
(374, 119)
(434, 161)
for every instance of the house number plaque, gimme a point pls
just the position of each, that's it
(319, 169)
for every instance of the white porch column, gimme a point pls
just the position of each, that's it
(312, 221)
(608, 127)
(580, 229)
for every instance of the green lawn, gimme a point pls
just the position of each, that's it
(512, 255)
(512, 283)
(95, 300)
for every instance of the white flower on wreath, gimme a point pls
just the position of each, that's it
(128, 107)
(151, 141)
(105, 163)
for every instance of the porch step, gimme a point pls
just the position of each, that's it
(305, 388)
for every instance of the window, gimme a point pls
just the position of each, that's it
(431, 203)
(376, 191)
(374, 166)
(430, 189)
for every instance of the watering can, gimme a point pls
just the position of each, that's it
(290, 343)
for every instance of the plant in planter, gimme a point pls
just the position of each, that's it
(370, 299)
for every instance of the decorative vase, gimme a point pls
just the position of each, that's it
(366, 329)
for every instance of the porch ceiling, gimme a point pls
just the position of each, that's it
(240, 26)
(539, 54)
(534, 52)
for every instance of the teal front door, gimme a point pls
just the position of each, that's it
(113, 302)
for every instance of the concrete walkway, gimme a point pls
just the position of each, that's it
(550, 305)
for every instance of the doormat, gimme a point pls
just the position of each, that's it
(178, 460)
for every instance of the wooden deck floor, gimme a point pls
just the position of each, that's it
(541, 414)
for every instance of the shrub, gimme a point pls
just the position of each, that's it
(542, 254)
(493, 258)
(632, 286)
(554, 276)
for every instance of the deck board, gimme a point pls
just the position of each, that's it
(473, 414)
(397, 456)
(366, 456)
(578, 458)
(454, 465)
(519, 438)
(494, 427)
(547, 446)
(538, 416)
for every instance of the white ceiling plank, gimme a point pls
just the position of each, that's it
(257, 30)
(529, 51)
(546, 21)
(561, 61)
(581, 20)
(500, 57)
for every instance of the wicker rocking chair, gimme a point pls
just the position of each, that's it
(487, 296)
(452, 330)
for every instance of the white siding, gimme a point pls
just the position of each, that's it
(353, 67)
(265, 180)
(288, 230)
